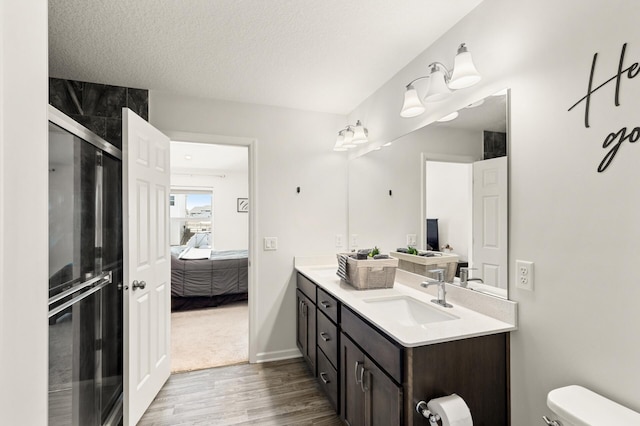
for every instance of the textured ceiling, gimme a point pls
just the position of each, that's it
(319, 55)
(201, 157)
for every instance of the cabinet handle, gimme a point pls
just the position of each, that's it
(355, 372)
(325, 304)
(362, 385)
(323, 377)
(550, 422)
(324, 336)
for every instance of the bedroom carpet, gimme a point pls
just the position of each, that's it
(212, 337)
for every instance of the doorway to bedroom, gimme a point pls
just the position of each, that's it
(208, 210)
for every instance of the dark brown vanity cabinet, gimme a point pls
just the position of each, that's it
(306, 320)
(327, 340)
(369, 396)
(373, 380)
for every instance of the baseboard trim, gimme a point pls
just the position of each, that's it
(278, 355)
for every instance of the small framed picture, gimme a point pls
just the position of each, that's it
(243, 205)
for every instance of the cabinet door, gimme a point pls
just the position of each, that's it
(352, 397)
(301, 325)
(306, 329)
(383, 398)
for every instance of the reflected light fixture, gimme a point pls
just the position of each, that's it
(351, 136)
(449, 117)
(441, 82)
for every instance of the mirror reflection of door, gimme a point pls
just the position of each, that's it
(490, 221)
(470, 202)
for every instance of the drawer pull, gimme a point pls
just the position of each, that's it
(323, 377)
(325, 304)
(325, 337)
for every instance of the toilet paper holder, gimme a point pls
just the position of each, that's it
(421, 408)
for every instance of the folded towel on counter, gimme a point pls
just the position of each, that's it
(402, 250)
(381, 256)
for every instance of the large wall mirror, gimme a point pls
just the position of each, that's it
(448, 178)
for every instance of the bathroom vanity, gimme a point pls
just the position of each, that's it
(377, 353)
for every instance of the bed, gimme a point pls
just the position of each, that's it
(203, 277)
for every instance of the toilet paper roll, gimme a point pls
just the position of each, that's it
(452, 410)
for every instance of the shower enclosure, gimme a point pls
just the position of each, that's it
(85, 276)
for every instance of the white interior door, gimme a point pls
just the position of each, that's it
(147, 264)
(490, 221)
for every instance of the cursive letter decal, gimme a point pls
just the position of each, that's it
(615, 138)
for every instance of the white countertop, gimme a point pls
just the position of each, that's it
(489, 315)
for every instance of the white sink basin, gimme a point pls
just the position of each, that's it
(408, 311)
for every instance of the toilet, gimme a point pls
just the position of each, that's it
(577, 406)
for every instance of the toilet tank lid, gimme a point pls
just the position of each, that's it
(583, 407)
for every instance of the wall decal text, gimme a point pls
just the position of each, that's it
(614, 140)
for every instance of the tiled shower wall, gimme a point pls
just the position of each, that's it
(98, 107)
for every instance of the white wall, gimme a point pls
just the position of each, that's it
(580, 227)
(23, 182)
(449, 199)
(230, 228)
(294, 148)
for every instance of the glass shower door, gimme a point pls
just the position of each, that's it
(85, 272)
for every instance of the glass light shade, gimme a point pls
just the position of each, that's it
(339, 146)
(464, 73)
(359, 134)
(412, 106)
(438, 89)
(348, 139)
(449, 117)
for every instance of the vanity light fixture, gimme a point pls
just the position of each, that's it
(351, 136)
(441, 82)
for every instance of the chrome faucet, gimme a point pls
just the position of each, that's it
(464, 276)
(442, 291)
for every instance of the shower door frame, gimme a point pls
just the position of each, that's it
(97, 283)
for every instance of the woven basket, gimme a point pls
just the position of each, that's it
(367, 274)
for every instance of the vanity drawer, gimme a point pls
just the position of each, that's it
(328, 305)
(327, 337)
(376, 344)
(307, 287)
(328, 376)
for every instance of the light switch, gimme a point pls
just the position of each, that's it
(338, 240)
(270, 243)
(354, 240)
(411, 240)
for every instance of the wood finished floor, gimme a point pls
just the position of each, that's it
(276, 393)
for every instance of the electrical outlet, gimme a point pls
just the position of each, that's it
(338, 240)
(411, 240)
(354, 240)
(524, 275)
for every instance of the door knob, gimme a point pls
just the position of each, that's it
(141, 285)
